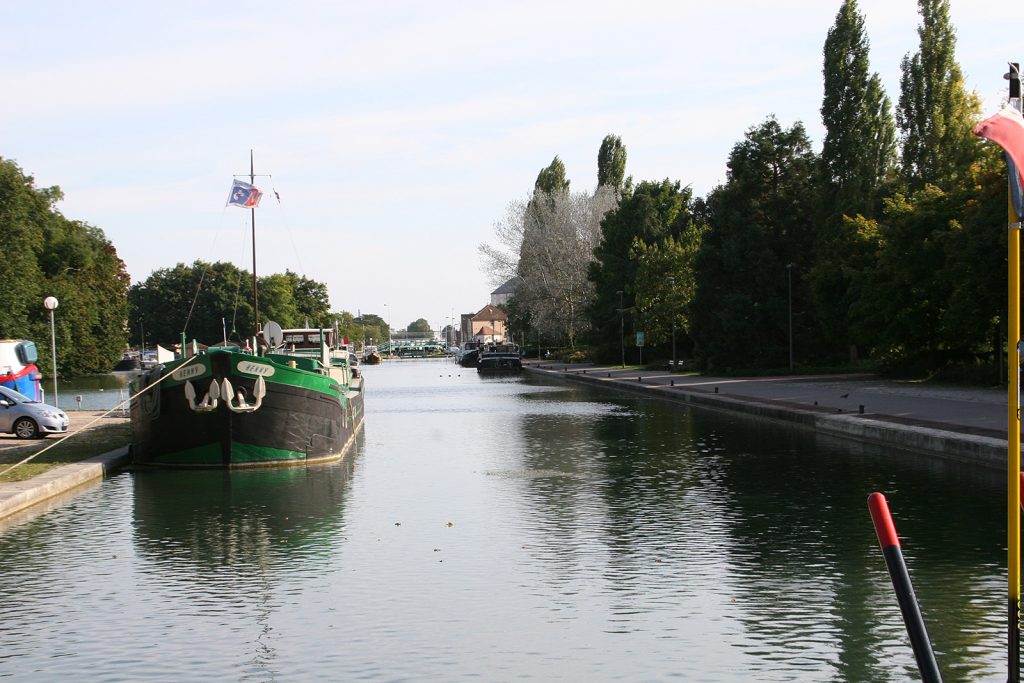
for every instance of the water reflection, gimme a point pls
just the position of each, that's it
(756, 526)
(500, 530)
(208, 523)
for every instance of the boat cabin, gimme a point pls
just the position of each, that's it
(307, 338)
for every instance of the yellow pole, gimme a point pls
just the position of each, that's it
(1013, 450)
(1013, 352)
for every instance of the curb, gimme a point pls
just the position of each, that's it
(16, 496)
(946, 444)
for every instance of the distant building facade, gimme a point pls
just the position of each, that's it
(502, 294)
(489, 324)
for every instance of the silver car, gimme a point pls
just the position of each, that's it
(29, 419)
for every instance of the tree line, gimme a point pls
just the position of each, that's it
(100, 313)
(888, 245)
(46, 254)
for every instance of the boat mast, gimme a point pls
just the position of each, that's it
(255, 293)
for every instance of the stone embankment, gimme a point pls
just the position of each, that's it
(954, 423)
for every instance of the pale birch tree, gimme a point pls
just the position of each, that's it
(548, 242)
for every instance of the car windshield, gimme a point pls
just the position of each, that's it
(14, 396)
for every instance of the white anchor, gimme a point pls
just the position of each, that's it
(209, 401)
(259, 390)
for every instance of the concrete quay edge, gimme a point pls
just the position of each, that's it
(946, 444)
(17, 496)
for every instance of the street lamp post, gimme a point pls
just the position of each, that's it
(672, 312)
(391, 350)
(49, 304)
(789, 282)
(622, 330)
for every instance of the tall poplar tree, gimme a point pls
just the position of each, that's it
(551, 179)
(611, 163)
(935, 112)
(858, 155)
(859, 147)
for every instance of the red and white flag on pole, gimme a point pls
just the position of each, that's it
(1006, 129)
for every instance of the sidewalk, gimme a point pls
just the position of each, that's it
(955, 423)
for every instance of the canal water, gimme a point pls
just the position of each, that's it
(90, 392)
(514, 529)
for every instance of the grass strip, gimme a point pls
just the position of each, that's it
(97, 440)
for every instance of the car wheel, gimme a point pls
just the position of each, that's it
(26, 428)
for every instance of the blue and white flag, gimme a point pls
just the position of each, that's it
(244, 195)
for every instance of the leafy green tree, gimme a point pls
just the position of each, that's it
(373, 329)
(859, 147)
(520, 319)
(651, 213)
(311, 298)
(935, 112)
(201, 301)
(23, 212)
(45, 254)
(760, 238)
(551, 179)
(277, 301)
(937, 294)
(420, 328)
(348, 328)
(665, 284)
(208, 300)
(846, 256)
(857, 160)
(611, 163)
(82, 270)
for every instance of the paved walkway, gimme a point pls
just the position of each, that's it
(964, 423)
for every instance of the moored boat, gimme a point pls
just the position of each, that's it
(297, 399)
(371, 356)
(225, 407)
(500, 359)
(468, 354)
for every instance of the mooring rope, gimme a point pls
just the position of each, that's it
(97, 419)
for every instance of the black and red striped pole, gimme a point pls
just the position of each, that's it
(890, 542)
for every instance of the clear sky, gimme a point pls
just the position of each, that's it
(397, 133)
